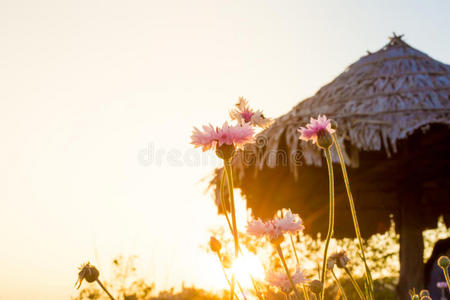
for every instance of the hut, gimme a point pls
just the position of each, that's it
(393, 111)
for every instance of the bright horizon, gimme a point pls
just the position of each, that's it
(87, 86)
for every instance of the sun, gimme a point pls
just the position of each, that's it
(245, 265)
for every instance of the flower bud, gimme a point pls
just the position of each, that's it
(316, 286)
(225, 151)
(88, 272)
(443, 262)
(333, 124)
(424, 293)
(324, 139)
(215, 244)
(415, 297)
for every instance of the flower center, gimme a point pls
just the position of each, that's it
(247, 115)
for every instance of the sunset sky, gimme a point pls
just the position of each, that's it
(97, 104)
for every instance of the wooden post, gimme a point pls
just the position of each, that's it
(411, 241)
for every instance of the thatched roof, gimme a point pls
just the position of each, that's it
(378, 102)
(383, 97)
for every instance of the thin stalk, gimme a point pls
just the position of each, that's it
(258, 294)
(232, 206)
(446, 277)
(353, 211)
(295, 251)
(242, 290)
(104, 288)
(225, 273)
(283, 261)
(339, 285)
(229, 171)
(222, 200)
(305, 292)
(331, 218)
(233, 283)
(355, 284)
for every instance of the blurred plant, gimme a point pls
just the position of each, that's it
(126, 284)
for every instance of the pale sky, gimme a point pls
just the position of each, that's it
(86, 86)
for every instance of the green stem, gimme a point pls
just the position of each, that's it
(295, 251)
(331, 218)
(106, 291)
(339, 285)
(446, 277)
(283, 261)
(229, 171)
(355, 284)
(222, 200)
(353, 211)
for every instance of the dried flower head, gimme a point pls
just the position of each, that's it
(280, 281)
(318, 131)
(88, 272)
(245, 115)
(340, 259)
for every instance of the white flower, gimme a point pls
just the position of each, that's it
(281, 281)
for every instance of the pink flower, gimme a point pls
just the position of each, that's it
(245, 115)
(289, 223)
(274, 229)
(211, 138)
(281, 281)
(441, 284)
(257, 228)
(206, 139)
(234, 135)
(314, 128)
